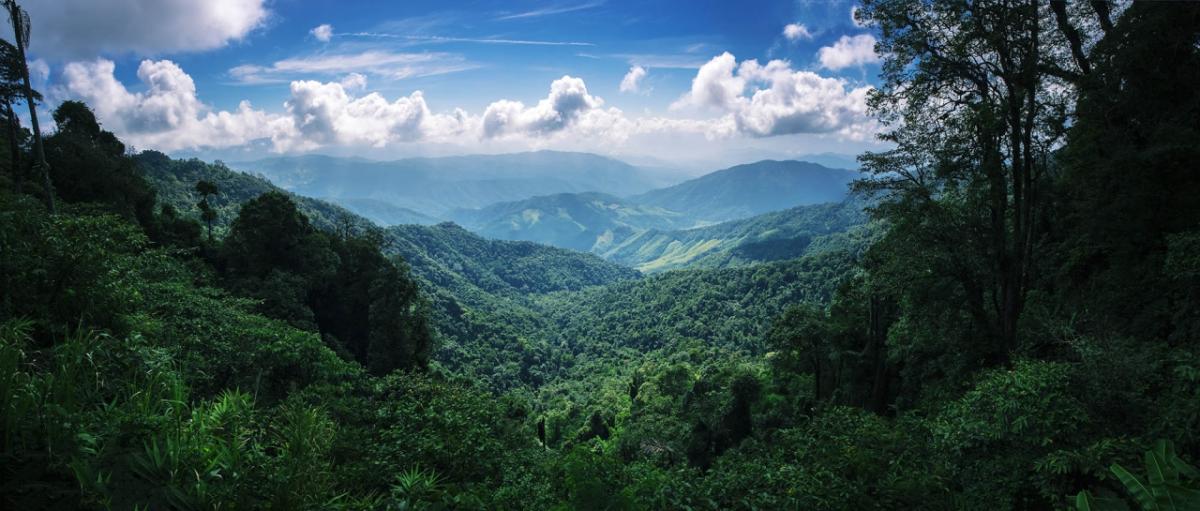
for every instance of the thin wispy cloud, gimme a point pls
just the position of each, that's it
(479, 40)
(547, 11)
(394, 65)
(667, 61)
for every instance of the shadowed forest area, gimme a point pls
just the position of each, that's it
(1004, 315)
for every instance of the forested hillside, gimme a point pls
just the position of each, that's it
(750, 189)
(786, 234)
(1012, 323)
(579, 221)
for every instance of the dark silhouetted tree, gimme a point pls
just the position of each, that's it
(21, 27)
(207, 213)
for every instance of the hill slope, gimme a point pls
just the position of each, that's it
(384, 213)
(773, 236)
(479, 289)
(583, 221)
(751, 189)
(436, 186)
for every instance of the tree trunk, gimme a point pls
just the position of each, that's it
(14, 12)
(14, 146)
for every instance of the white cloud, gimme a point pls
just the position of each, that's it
(759, 101)
(773, 99)
(555, 9)
(39, 70)
(849, 51)
(633, 79)
(354, 81)
(796, 31)
(567, 104)
(384, 63)
(715, 85)
(84, 28)
(323, 32)
(325, 114)
(168, 115)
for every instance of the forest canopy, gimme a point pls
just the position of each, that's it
(1015, 325)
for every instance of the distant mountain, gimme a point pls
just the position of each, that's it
(751, 189)
(773, 236)
(384, 213)
(436, 186)
(579, 221)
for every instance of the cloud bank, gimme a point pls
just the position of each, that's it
(83, 28)
(748, 98)
(773, 99)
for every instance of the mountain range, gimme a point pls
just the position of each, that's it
(751, 189)
(581, 221)
(660, 229)
(774, 236)
(436, 186)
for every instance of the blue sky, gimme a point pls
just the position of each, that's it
(703, 80)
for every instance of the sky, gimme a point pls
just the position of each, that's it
(671, 82)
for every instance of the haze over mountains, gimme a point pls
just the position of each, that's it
(751, 189)
(437, 186)
(609, 225)
(577, 201)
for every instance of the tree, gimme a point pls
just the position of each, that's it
(20, 23)
(801, 341)
(1129, 180)
(972, 96)
(90, 165)
(207, 213)
(11, 92)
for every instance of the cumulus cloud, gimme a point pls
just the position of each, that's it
(773, 99)
(167, 115)
(849, 51)
(796, 31)
(569, 105)
(715, 85)
(325, 114)
(323, 32)
(83, 28)
(749, 98)
(633, 79)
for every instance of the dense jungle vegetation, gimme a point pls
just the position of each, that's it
(1016, 328)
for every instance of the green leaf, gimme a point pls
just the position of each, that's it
(1156, 468)
(1136, 488)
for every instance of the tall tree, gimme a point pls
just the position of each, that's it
(207, 213)
(972, 96)
(11, 92)
(21, 27)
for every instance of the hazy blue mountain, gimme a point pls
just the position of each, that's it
(384, 213)
(751, 189)
(772, 236)
(436, 186)
(581, 221)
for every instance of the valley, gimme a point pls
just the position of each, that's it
(498, 304)
(599, 255)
